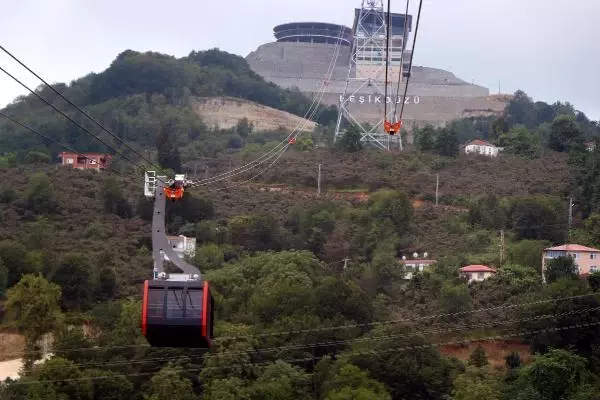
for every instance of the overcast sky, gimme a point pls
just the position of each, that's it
(548, 48)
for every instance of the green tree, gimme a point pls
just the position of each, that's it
(475, 384)
(37, 157)
(560, 267)
(393, 206)
(351, 383)
(40, 194)
(350, 142)
(255, 232)
(564, 133)
(33, 305)
(166, 145)
(244, 127)
(281, 381)
(527, 253)
(425, 138)
(455, 298)
(113, 199)
(447, 143)
(168, 384)
(520, 141)
(478, 357)
(554, 376)
(74, 275)
(209, 256)
(3, 278)
(60, 378)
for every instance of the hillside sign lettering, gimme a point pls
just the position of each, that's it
(369, 99)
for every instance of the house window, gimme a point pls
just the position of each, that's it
(480, 275)
(593, 256)
(69, 161)
(594, 268)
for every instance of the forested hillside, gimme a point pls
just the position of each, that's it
(312, 297)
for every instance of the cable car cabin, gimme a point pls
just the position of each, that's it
(392, 129)
(175, 190)
(177, 314)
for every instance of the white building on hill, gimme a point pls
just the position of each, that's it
(482, 147)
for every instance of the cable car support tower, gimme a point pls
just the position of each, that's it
(367, 72)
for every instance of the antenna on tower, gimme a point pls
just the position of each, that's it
(366, 74)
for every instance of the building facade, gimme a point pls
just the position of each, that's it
(94, 161)
(587, 259)
(370, 29)
(416, 265)
(476, 273)
(482, 147)
(182, 245)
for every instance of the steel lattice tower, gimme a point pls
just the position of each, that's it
(367, 69)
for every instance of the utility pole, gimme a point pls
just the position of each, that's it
(437, 188)
(319, 182)
(570, 215)
(501, 246)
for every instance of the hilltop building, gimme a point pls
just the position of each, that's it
(482, 147)
(302, 54)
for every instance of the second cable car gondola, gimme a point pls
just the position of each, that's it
(177, 314)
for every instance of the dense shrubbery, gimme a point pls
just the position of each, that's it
(311, 299)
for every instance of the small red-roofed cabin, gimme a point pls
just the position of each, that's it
(476, 273)
(95, 161)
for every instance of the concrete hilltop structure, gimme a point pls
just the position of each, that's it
(303, 52)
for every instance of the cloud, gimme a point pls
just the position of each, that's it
(545, 48)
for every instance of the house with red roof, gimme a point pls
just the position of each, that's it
(587, 259)
(482, 147)
(476, 272)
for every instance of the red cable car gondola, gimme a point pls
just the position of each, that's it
(177, 309)
(177, 314)
(392, 128)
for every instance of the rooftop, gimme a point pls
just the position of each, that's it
(477, 268)
(573, 247)
(479, 142)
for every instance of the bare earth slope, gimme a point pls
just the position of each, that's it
(225, 112)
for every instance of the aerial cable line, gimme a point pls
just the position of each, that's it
(285, 142)
(361, 339)
(362, 325)
(314, 358)
(277, 151)
(283, 150)
(404, 37)
(387, 55)
(65, 115)
(412, 54)
(77, 107)
(35, 131)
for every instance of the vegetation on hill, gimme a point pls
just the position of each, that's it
(312, 301)
(141, 93)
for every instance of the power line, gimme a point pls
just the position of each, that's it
(32, 130)
(349, 353)
(360, 325)
(65, 115)
(77, 107)
(412, 55)
(405, 35)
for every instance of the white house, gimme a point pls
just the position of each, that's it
(416, 264)
(182, 245)
(476, 273)
(482, 147)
